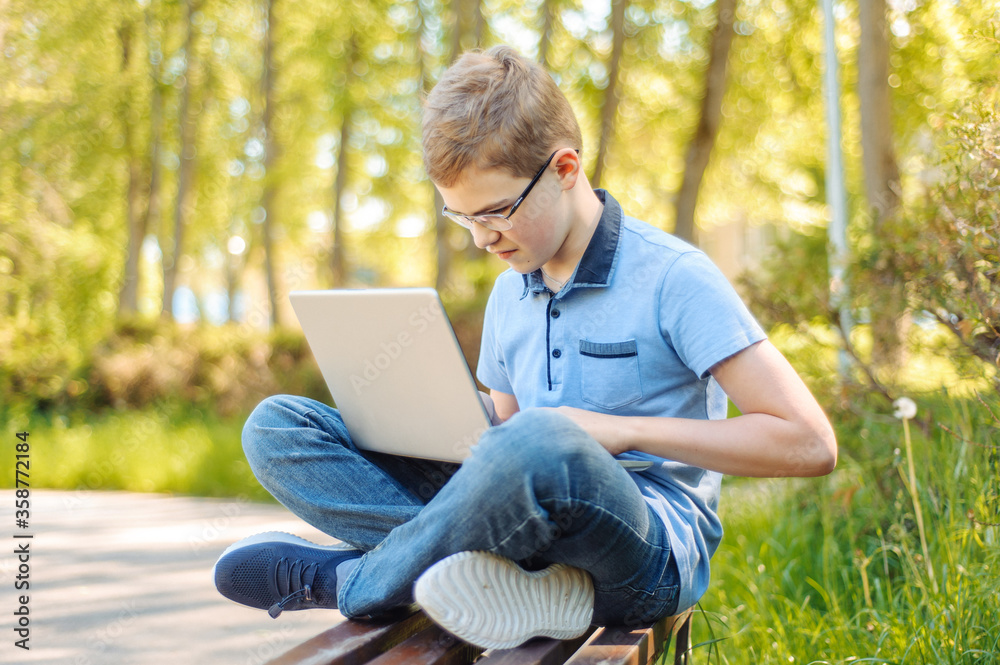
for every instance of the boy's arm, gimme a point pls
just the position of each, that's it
(505, 404)
(782, 430)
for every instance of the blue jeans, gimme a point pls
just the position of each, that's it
(537, 489)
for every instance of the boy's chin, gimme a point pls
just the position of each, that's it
(523, 269)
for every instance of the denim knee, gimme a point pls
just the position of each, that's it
(257, 443)
(266, 433)
(538, 441)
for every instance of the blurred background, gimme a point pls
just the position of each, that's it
(171, 169)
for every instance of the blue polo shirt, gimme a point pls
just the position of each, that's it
(634, 332)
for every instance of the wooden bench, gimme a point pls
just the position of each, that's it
(416, 640)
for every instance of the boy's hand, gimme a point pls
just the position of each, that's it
(609, 431)
(782, 431)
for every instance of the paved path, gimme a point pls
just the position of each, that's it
(124, 578)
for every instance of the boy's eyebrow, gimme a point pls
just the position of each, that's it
(499, 205)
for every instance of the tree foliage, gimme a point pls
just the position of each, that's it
(90, 139)
(948, 246)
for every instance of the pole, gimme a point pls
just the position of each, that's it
(836, 198)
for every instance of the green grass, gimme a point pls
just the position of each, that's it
(831, 570)
(174, 450)
(826, 570)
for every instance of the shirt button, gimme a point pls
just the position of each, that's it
(555, 314)
(556, 353)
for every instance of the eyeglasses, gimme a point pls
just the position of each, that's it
(495, 221)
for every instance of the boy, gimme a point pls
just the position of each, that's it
(607, 338)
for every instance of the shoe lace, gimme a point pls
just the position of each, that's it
(298, 579)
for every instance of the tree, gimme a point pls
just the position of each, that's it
(188, 157)
(549, 17)
(466, 32)
(700, 149)
(612, 94)
(337, 265)
(75, 124)
(151, 214)
(882, 183)
(271, 148)
(135, 221)
(879, 159)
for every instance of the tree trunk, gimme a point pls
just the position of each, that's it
(480, 23)
(700, 149)
(185, 176)
(469, 27)
(443, 262)
(270, 159)
(545, 39)
(612, 95)
(151, 216)
(458, 29)
(128, 297)
(442, 227)
(881, 180)
(878, 158)
(337, 266)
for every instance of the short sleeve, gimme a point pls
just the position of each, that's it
(701, 315)
(491, 370)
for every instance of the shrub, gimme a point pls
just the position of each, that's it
(945, 248)
(948, 249)
(226, 369)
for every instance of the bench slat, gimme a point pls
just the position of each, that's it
(619, 645)
(431, 646)
(354, 642)
(539, 651)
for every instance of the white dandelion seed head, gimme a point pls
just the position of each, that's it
(905, 408)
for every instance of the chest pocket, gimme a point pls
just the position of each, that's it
(610, 373)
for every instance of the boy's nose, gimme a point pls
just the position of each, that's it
(482, 236)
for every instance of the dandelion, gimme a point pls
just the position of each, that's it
(906, 408)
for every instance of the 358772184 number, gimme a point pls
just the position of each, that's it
(22, 471)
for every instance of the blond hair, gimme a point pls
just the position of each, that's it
(495, 109)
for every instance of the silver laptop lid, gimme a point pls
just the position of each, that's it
(395, 370)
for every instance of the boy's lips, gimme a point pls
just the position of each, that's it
(506, 254)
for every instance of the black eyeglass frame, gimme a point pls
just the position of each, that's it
(487, 220)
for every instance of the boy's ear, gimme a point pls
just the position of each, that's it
(568, 166)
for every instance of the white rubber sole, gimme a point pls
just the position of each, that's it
(277, 536)
(490, 601)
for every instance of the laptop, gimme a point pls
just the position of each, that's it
(396, 371)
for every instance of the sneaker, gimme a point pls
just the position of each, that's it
(490, 601)
(278, 571)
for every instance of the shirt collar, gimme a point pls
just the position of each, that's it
(598, 261)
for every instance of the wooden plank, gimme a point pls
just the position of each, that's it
(431, 646)
(354, 642)
(539, 651)
(620, 645)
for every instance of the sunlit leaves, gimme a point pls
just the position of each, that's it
(66, 98)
